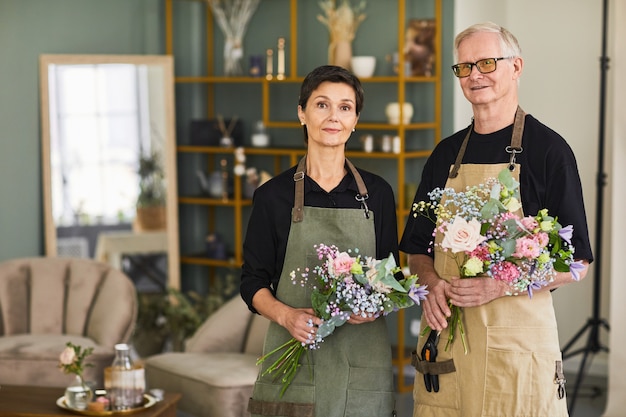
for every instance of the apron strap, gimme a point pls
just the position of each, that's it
(362, 195)
(298, 178)
(514, 148)
(298, 204)
(516, 139)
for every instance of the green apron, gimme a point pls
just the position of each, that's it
(350, 375)
(513, 347)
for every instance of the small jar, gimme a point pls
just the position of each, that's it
(385, 143)
(396, 145)
(368, 143)
(260, 138)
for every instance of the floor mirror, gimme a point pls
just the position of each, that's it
(109, 161)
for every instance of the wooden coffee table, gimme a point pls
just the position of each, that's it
(22, 401)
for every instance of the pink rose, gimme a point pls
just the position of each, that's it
(462, 236)
(342, 263)
(67, 356)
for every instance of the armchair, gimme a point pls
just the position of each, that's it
(216, 372)
(46, 302)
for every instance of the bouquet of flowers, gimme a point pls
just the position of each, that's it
(345, 283)
(487, 237)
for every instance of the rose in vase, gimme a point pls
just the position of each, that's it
(71, 361)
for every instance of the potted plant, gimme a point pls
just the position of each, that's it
(151, 198)
(165, 320)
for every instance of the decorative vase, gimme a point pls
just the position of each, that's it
(392, 111)
(78, 394)
(233, 53)
(340, 53)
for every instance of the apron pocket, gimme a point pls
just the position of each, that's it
(370, 392)
(448, 394)
(269, 393)
(519, 375)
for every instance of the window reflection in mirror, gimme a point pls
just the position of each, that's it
(107, 127)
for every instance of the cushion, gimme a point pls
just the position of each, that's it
(46, 302)
(212, 384)
(34, 359)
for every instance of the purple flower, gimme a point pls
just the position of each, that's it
(576, 268)
(535, 285)
(417, 293)
(566, 233)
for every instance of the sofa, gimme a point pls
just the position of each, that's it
(46, 302)
(217, 369)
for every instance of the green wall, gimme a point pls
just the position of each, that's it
(29, 28)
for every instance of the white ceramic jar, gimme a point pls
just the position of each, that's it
(363, 66)
(392, 111)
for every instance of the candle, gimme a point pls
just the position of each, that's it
(281, 59)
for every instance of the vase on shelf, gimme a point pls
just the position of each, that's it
(78, 394)
(233, 54)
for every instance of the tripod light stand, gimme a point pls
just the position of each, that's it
(594, 323)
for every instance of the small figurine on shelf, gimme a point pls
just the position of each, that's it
(215, 247)
(342, 22)
(252, 182)
(240, 161)
(256, 66)
(227, 132)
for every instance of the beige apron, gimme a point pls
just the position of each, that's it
(513, 347)
(351, 374)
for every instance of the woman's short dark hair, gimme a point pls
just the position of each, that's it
(333, 74)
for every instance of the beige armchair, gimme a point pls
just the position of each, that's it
(47, 302)
(216, 372)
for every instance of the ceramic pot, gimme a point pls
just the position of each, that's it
(393, 113)
(363, 66)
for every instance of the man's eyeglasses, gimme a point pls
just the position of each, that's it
(484, 66)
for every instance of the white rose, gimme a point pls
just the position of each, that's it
(462, 236)
(67, 356)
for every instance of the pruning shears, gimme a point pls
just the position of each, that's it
(429, 354)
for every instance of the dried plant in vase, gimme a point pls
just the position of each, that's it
(342, 23)
(232, 16)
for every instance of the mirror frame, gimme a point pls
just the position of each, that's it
(166, 62)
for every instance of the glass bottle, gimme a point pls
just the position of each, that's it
(122, 395)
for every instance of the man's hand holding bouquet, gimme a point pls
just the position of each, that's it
(487, 237)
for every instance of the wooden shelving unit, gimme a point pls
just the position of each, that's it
(237, 203)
